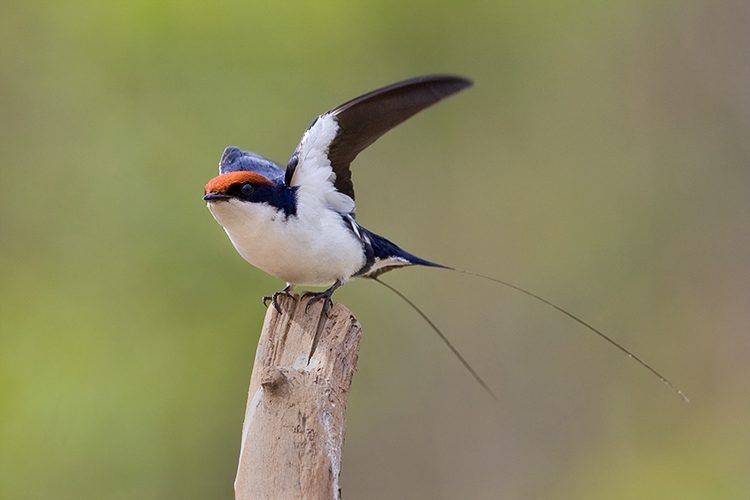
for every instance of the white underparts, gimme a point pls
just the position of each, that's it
(314, 247)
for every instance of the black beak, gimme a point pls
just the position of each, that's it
(215, 197)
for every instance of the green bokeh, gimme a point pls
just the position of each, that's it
(601, 160)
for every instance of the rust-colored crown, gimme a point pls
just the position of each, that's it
(221, 183)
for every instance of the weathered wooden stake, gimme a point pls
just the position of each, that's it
(294, 420)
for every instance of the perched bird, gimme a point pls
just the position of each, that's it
(298, 223)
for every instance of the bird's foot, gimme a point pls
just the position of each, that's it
(316, 296)
(274, 299)
(325, 296)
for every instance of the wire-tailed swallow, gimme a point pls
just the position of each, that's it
(297, 223)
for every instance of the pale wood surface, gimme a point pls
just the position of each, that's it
(294, 420)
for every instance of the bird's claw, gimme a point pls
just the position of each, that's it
(315, 297)
(274, 299)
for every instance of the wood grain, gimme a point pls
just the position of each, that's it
(294, 425)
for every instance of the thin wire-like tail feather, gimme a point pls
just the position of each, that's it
(441, 335)
(580, 321)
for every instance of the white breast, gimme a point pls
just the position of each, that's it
(312, 248)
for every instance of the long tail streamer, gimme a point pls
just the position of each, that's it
(549, 303)
(442, 337)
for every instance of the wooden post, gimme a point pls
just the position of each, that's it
(294, 420)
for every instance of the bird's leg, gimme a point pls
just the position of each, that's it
(273, 299)
(324, 295)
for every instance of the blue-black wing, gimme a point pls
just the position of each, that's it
(234, 159)
(335, 138)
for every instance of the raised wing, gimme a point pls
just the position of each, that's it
(335, 138)
(234, 159)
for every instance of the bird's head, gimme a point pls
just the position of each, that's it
(239, 198)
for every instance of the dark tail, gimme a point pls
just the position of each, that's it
(541, 299)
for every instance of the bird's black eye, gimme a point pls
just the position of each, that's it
(247, 190)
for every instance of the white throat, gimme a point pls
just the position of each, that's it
(313, 247)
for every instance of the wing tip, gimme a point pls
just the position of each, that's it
(448, 77)
(234, 159)
(453, 83)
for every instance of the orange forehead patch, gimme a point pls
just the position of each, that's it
(221, 183)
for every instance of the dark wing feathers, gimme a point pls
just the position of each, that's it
(364, 119)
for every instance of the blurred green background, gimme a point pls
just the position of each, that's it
(601, 160)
